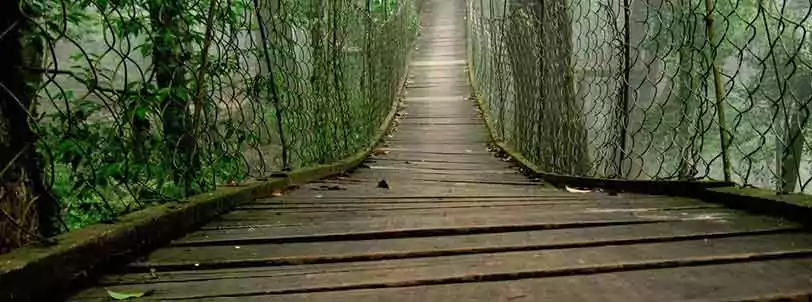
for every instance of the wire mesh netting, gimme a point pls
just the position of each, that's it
(112, 105)
(650, 89)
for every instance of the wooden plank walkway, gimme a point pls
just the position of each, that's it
(458, 224)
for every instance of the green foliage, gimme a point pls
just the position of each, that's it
(148, 101)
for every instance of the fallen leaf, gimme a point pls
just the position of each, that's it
(379, 152)
(125, 296)
(573, 190)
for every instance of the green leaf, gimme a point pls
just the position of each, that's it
(141, 112)
(111, 170)
(124, 296)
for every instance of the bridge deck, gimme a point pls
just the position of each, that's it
(458, 224)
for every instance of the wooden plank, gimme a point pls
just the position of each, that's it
(546, 196)
(265, 229)
(440, 181)
(443, 129)
(406, 177)
(431, 122)
(402, 170)
(271, 219)
(534, 194)
(414, 131)
(455, 63)
(436, 157)
(419, 133)
(491, 267)
(396, 209)
(471, 116)
(432, 99)
(417, 171)
(311, 215)
(461, 207)
(537, 204)
(752, 281)
(423, 190)
(368, 187)
(262, 224)
(446, 76)
(455, 150)
(446, 137)
(438, 109)
(463, 106)
(323, 252)
(441, 165)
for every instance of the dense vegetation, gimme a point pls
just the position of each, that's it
(114, 105)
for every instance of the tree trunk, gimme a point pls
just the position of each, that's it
(26, 205)
(793, 140)
(687, 82)
(169, 60)
(642, 71)
(540, 53)
(338, 34)
(796, 88)
(318, 81)
(567, 131)
(521, 43)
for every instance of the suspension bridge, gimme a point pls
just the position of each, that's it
(450, 206)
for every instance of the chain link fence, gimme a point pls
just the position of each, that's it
(650, 89)
(109, 106)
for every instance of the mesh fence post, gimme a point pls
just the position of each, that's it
(717, 85)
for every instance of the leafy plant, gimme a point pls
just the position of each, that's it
(147, 101)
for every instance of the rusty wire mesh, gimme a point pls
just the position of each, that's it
(113, 105)
(650, 89)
